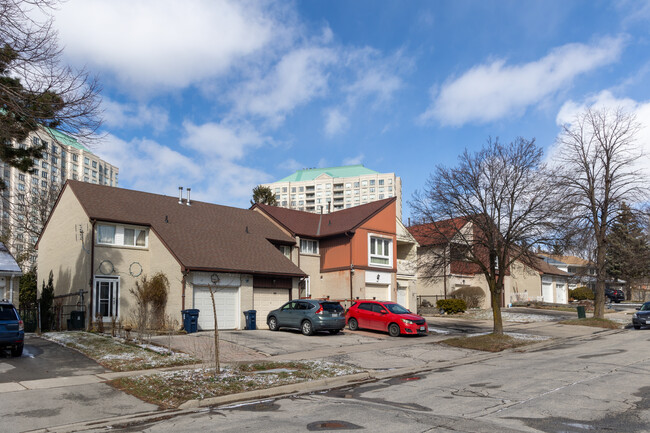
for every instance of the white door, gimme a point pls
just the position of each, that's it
(265, 300)
(547, 291)
(401, 296)
(560, 289)
(226, 303)
(107, 294)
(378, 292)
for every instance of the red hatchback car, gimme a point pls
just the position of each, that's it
(385, 316)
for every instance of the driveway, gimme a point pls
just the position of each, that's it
(52, 385)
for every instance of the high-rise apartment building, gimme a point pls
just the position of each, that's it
(335, 188)
(29, 197)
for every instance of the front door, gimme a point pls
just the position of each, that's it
(107, 292)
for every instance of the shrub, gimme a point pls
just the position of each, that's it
(451, 306)
(472, 295)
(581, 293)
(151, 298)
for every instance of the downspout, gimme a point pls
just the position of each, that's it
(184, 273)
(351, 267)
(92, 273)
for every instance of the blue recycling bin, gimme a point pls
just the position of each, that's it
(251, 319)
(190, 320)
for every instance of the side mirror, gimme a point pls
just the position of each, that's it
(383, 312)
(638, 308)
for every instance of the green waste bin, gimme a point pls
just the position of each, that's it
(581, 312)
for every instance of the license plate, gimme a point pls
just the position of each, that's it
(421, 328)
(336, 314)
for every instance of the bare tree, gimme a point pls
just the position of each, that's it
(488, 212)
(36, 88)
(598, 157)
(28, 211)
(217, 363)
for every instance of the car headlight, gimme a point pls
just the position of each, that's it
(408, 322)
(635, 315)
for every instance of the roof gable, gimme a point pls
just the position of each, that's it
(201, 236)
(437, 233)
(307, 224)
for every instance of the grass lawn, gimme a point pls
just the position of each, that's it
(591, 321)
(487, 342)
(117, 354)
(170, 389)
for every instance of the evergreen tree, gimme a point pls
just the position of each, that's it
(263, 195)
(27, 291)
(47, 301)
(628, 252)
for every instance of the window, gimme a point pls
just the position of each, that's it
(21, 187)
(284, 189)
(106, 234)
(94, 164)
(75, 157)
(381, 181)
(94, 173)
(86, 170)
(86, 179)
(74, 176)
(348, 185)
(390, 181)
(55, 170)
(381, 251)
(44, 175)
(364, 183)
(21, 197)
(86, 160)
(293, 189)
(135, 237)
(372, 181)
(35, 141)
(44, 183)
(308, 246)
(372, 190)
(301, 188)
(21, 177)
(356, 184)
(390, 188)
(277, 190)
(44, 164)
(55, 160)
(286, 250)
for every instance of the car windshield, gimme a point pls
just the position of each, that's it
(645, 307)
(396, 309)
(333, 307)
(7, 312)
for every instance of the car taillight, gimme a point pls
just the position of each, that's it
(320, 310)
(21, 325)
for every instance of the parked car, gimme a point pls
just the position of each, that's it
(614, 295)
(385, 316)
(308, 315)
(642, 316)
(12, 329)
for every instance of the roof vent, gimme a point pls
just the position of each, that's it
(247, 229)
(188, 196)
(180, 195)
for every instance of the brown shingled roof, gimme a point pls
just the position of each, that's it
(569, 260)
(437, 233)
(202, 236)
(322, 225)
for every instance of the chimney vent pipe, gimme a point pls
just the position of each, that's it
(188, 196)
(180, 195)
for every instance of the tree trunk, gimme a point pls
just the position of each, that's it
(217, 365)
(599, 301)
(495, 296)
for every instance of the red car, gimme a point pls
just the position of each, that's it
(385, 316)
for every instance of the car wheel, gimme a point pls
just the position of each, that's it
(17, 350)
(393, 330)
(618, 302)
(307, 328)
(353, 324)
(637, 326)
(334, 331)
(273, 324)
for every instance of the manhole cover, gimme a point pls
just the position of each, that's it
(331, 425)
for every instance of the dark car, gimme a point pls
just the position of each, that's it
(385, 316)
(308, 315)
(642, 316)
(12, 329)
(615, 295)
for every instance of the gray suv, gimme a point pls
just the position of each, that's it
(308, 315)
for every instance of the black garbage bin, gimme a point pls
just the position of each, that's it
(190, 320)
(77, 320)
(251, 319)
(581, 312)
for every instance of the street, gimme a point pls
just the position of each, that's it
(598, 382)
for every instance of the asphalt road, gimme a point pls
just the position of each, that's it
(42, 359)
(600, 383)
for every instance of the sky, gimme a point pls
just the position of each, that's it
(221, 96)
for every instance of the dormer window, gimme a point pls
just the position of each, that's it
(108, 234)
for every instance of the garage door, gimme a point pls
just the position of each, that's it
(227, 305)
(265, 300)
(378, 292)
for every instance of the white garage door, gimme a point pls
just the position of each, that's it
(265, 300)
(377, 291)
(401, 296)
(547, 291)
(561, 293)
(227, 305)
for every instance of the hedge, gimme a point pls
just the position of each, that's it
(451, 306)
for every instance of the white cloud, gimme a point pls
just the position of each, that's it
(170, 44)
(299, 76)
(377, 77)
(335, 122)
(606, 100)
(492, 91)
(354, 160)
(222, 140)
(117, 115)
(146, 165)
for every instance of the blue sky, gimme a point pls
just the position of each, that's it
(220, 96)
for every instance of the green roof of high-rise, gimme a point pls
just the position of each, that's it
(313, 173)
(65, 139)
